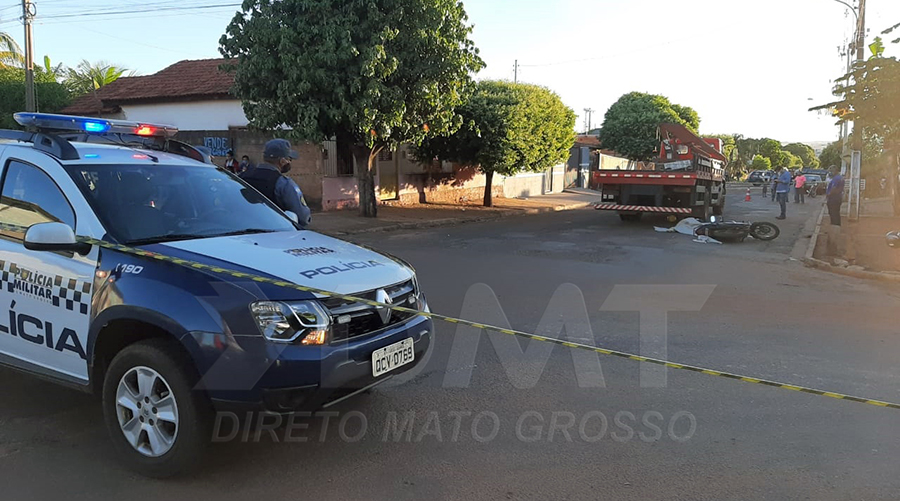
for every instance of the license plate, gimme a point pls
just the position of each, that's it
(392, 356)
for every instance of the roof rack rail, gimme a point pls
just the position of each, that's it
(49, 143)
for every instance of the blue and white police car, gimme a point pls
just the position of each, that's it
(166, 343)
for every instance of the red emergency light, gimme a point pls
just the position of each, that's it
(145, 130)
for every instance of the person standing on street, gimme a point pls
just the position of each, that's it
(782, 188)
(799, 183)
(231, 165)
(834, 196)
(268, 178)
(775, 183)
(245, 163)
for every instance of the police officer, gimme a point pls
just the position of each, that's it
(268, 179)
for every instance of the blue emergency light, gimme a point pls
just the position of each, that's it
(48, 121)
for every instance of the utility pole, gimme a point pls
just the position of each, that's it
(516, 72)
(856, 153)
(587, 118)
(27, 17)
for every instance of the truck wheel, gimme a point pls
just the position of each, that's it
(158, 424)
(631, 217)
(718, 210)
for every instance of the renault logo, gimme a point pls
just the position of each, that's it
(385, 313)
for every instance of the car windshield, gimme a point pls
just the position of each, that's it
(145, 204)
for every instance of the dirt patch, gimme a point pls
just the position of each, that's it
(870, 249)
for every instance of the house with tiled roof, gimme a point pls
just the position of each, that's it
(191, 95)
(195, 96)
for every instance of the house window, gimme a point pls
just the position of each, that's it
(385, 155)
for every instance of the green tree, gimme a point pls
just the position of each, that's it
(507, 128)
(10, 53)
(831, 155)
(631, 124)
(770, 149)
(870, 97)
(747, 148)
(50, 95)
(793, 161)
(88, 77)
(806, 153)
(689, 116)
(369, 73)
(760, 163)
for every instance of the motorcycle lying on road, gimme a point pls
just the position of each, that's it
(737, 230)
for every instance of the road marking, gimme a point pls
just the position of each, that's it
(460, 321)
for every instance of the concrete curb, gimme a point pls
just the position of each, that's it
(811, 262)
(452, 221)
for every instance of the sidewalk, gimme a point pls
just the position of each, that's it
(348, 222)
(862, 242)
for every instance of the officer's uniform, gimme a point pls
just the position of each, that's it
(268, 180)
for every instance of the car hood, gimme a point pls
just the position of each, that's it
(304, 258)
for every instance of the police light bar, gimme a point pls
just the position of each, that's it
(93, 125)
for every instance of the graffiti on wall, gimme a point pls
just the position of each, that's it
(218, 146)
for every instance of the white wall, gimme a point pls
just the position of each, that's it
(217, 114)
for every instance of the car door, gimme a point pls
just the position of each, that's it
(45, 296)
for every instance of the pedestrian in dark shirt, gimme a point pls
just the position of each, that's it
(834, 196)
(245, 163)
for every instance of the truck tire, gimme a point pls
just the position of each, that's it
(718, 210)
(631, 217)
(158, 424)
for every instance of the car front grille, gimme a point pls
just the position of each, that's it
(351, 320)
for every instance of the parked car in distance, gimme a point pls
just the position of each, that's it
(759, 177)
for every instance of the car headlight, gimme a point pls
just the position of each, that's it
(286, 322)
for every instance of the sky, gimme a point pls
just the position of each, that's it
(752, 67)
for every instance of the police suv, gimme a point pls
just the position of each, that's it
(164, 302)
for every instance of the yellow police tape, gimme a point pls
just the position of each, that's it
(453, 320)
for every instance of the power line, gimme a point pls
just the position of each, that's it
(140, 11)
(143, 43)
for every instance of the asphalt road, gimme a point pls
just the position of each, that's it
(532, 427)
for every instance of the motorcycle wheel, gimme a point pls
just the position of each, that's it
(764, 231)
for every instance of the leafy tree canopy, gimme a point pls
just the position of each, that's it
(760, 163)
(806, 153)
(369, 72)
(88, 77)
(507, 128)
(630, 125)
(50, 95)
(10, 53)
(831, 155)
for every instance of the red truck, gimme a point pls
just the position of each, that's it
(688, 179)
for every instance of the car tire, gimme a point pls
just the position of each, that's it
(156, 377)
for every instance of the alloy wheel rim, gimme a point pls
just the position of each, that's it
(147, 411)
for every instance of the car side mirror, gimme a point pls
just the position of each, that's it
(293, 217)
(53, 237)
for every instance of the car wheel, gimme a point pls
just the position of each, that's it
(158, 424)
